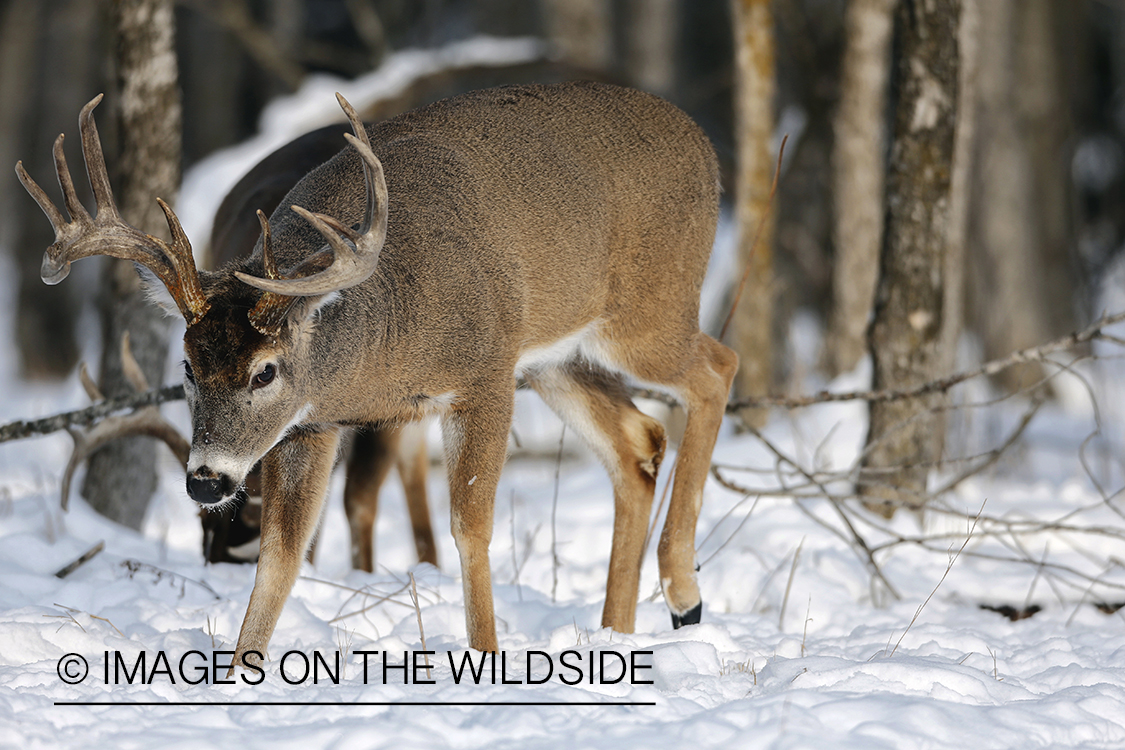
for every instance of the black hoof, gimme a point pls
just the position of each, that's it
(691, 617)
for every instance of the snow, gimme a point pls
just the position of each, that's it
(797, 648)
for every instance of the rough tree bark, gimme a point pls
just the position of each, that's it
(859, 164)
(906, 333)
(755, 86)
(122, 477)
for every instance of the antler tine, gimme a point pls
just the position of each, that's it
(349, 267)
(129, 366)
(146, 421)
(268, 262)
(369, 170)
(187, 291)
(32, 187)
(74, 207)
(95, 163)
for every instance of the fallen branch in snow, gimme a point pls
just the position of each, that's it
(89, 555)
(133, 567)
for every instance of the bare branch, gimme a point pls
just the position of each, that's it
(1033, 354)
(81, 417)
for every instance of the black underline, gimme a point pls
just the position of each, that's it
(355, 703)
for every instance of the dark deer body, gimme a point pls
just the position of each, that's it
(558, 232)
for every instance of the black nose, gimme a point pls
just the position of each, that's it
(207, 490)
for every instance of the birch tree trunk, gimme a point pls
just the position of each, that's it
(755, 86)
(905, 437)
(859, 165)
(122, 477)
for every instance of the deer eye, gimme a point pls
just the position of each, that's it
(188, 373)
(263, 378)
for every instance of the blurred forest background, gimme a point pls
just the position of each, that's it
(1027, 142)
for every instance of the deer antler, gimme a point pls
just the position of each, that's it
(107, 233)
(348, 267)
(147, 421)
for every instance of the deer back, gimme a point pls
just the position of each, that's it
(517, 216)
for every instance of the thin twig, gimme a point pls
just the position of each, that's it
(421, 630)
(789, 585)
(47, 425)
(554, 510)
(515, 563)
(948, 568)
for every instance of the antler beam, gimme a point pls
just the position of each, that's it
(349, 266)
(106, 233)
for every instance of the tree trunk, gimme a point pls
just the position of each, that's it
(1023, 282)
(859, 165)
(650, 54)
(121, 478)
(755, 87)
(581, 31)
(905, 437)
(50, 66)
(961, 185)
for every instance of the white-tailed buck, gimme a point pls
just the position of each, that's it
(556, 232)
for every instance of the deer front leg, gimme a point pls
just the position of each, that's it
(475, 434)
(294, 482)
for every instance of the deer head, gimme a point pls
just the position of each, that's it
(246, 331)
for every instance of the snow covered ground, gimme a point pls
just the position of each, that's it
(798, 647)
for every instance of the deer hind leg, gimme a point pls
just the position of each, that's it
(294, 482)
(702, 380)
(373, 453)
(475, 434)
(630, 445)
(413, 465)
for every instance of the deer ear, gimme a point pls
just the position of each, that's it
(156, 292)
(306, 309)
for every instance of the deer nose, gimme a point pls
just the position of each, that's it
(208, 490)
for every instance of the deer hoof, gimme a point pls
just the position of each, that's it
(691, 617)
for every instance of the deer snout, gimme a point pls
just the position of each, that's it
(207, 488)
